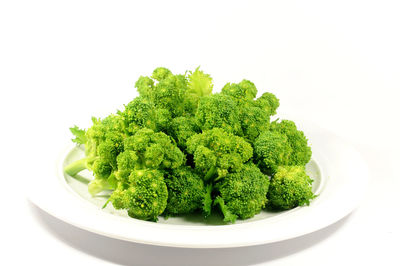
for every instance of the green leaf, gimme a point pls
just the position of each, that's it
(80, 135)
(200, 84)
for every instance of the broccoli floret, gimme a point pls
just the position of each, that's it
(253, 121)
(186, 191)
(145, 197)
(178, 94)
(218, 111)
(290, 187)
(148, 149)
(271, 149)
(254, 114)
(182, 128)
(103, 143)
(301, 152)
(216, 151)
(243, 194)
(141, 113)
(268, 102)
(243, 91)
(164, 90)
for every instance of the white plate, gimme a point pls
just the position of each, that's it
(340, 178)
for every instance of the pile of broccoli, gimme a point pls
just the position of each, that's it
(178, 148)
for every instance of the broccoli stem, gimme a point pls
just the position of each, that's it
(210, 173)
(207, 201)
(74, 168)
(229, 217)
(105, 204)
(98, 185)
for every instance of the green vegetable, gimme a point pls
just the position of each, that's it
(301, 152)
(186, 191)
(178, 148)
(218, 152)
(144, 195)
(290, 187)
(243, 194)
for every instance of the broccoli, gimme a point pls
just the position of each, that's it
(144, 196)
(179, 148)
(103, 143)
(301, 152)
(242, 194)
(218, 111)
(268, 102)
(178, 94)
(182, 128)
(290, 187)
(186, 191)
(282, 145)
(216, 151)
(140, 113)
(164, 90)
(148, 149)
(254, 114)
(243, 91)
(271, 150)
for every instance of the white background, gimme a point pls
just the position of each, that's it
(336, 63)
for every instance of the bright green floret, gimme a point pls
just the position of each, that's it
(148, 149)
(144, 196)
(218, 111)
(254, 114)
(182, 128)
(301, 152)
(243, 91)
(103, 143)
(178, 94)
(271, 149)
(218, 152)
(268, 102)
(290, 187)
(186, 191)
(140, 113)
(243, 194)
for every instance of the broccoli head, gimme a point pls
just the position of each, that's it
(242, 194)
(301, 152)
(141, 113)
(271, 149)
(164, 90)
(144, 197)
(216, 151)
(182, 128)
(254, 114)
(186, 191)
(103, 143)
(243, 91)
(268, 102)
(149, 149)
(290, 187)
(218, 111)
